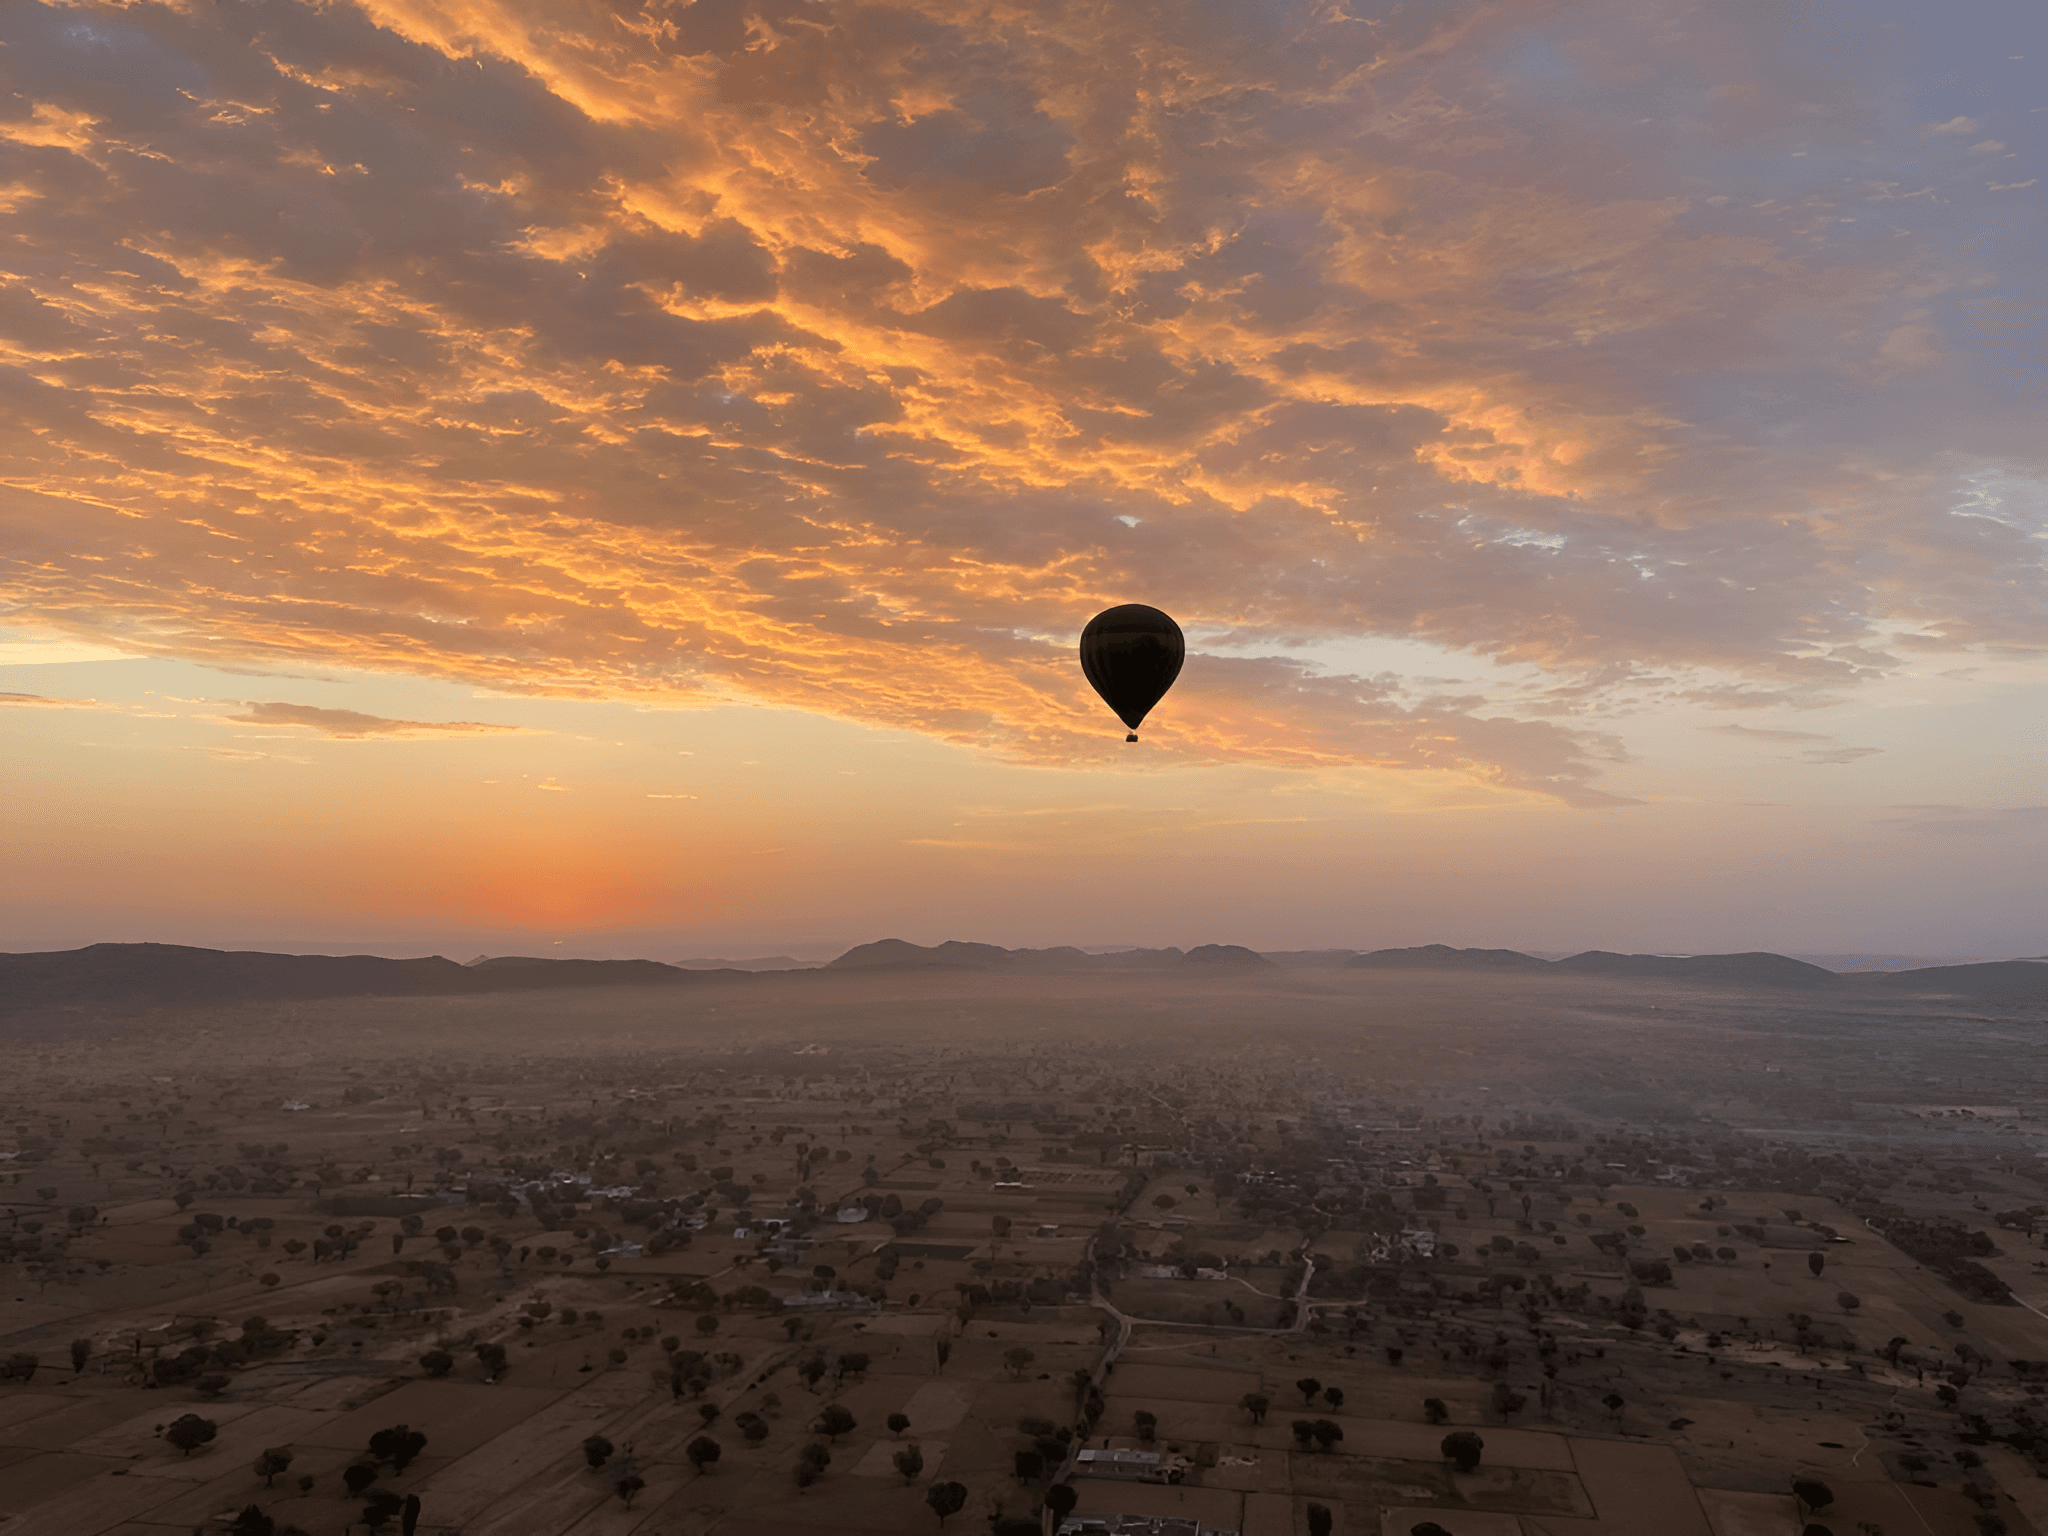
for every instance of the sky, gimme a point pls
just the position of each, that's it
(587, 478)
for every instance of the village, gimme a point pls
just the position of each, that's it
(810, 1287)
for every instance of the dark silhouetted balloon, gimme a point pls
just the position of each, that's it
(1132, 654)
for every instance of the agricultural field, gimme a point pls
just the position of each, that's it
(790, 1279)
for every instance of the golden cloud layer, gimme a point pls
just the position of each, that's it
(354, 725)
(848, 356)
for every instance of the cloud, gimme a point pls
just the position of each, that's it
(1763, 733)
(847, 357)
(41, 701)
(1833, 753)
(1970, 821)
(349, 725)
(1959, 125)
(237, 755)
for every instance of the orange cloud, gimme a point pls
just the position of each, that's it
(847, 357)
(40, 701)
(352, 725)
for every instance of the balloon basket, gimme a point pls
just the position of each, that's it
(1132, 737)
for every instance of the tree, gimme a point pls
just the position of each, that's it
(707, 1323)
(946, 1499)
(81, 1351)
(1816, 1262)
(1813, 1495)
(211, 1386)
(1308, 1387)
(382, 1505)
(702, 1451)
(909, 1462)
(1303, 1430)
(811, 1463)
(273, 1461)
(252, 1522)
(1256, 1405)
(1462, 1447)
(1147, 1425)
(437, 1362)
(632, 1482)
(834, 1422)
(1028, 1466)
(1319, 1520)
(493, 1358)
(944, 1349)
(1061, 1499)
(189, 1431)
(1848, 1301)
(898, 1422)
(597, 1450)
(1434, 1411)
(1017, 1359)
(1334, 1396)
(1326, 1434)
(358, 1476)
(400, 1445)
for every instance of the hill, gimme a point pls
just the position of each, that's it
(1754, 968)
(2012, 981)
(1441, 957)
(900, 954)
(169, 975)
(1227, 954)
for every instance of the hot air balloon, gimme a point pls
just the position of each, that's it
(1132, 654)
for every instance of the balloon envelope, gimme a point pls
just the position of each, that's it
(1132, 654)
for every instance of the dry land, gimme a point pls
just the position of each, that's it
(797, 1256)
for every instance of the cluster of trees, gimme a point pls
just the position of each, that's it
(1321, 1431)
(201, 1363)
(1951, 1250)
(1047, 1451)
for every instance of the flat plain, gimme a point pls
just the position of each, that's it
(679, 1261)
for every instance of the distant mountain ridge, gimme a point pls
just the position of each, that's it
(2004, 981)
(1441, 957)
(1757, 968)
(171, 974)
(755, 963)
(954, 955)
